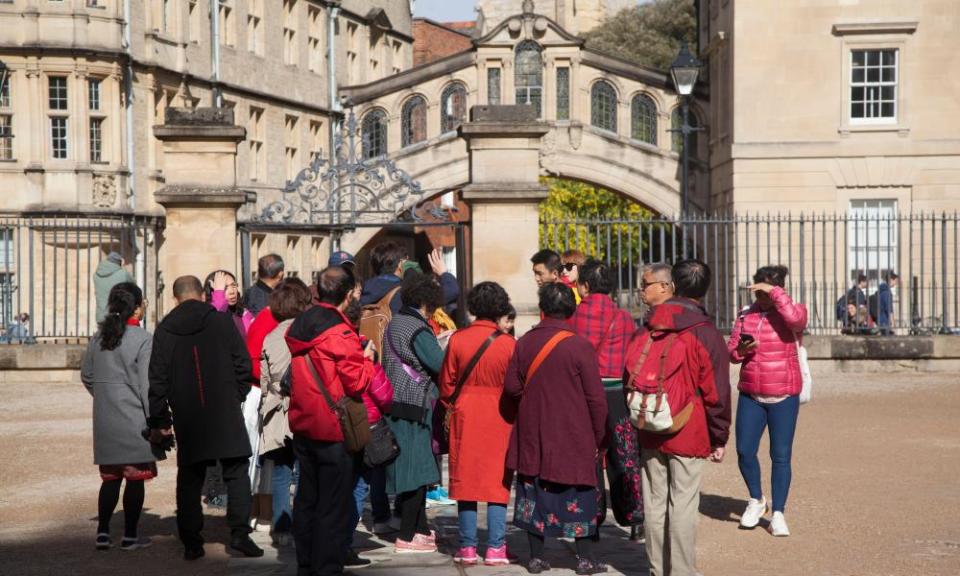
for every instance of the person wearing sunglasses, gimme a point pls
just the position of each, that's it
(571, 262)
(656, 285)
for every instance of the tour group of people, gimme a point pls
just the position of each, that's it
(354, 389)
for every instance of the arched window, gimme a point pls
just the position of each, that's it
(643, 119)
(453, 107)
(373, 132)
(414, 121)
(676, 120)
(528, 75)
(603, 106)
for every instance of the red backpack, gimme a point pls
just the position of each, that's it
(659, 395)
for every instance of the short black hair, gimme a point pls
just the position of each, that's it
(488, 301)
(596, 276)
(385, 257)
(861, 278)
(420, 289)
(691, 278)
(772, 275)
(549, 259)
(334, 284)
(557, 301)
(187, 286)
(891, 275)
(269, 266)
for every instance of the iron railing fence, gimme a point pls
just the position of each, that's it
(825, 254)
(47, 268)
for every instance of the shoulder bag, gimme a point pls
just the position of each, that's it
(351, 414)
(445, 408)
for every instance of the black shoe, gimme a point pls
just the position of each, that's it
(193, 553)
(585, 566)
(637, 534)
(354, 559)
(536, 566)
(246, 546)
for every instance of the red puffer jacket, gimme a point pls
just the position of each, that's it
(772, 368)
(324, 336)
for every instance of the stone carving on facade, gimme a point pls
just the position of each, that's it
(104, 190)
(575, 131)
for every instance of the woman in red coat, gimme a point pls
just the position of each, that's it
(480, 422)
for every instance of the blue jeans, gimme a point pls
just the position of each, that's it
(752, 418)
(283, 465)
(496, 524)
(372, 481)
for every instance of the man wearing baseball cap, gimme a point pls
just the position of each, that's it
(341, 258)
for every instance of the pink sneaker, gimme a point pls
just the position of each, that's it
(419, 545)
(431, 538)
(496, 556)
(467, 556)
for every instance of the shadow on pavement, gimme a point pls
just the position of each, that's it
(723, 508)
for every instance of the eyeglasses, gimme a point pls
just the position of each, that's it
(645, 285)
(569, 266)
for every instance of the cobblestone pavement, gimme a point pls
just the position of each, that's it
(874, 492)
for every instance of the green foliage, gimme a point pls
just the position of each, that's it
(648, 35)
(568, 208)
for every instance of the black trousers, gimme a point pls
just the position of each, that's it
(321, 508)
(413, 513)
(190, 479)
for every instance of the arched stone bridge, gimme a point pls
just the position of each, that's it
(608, 119)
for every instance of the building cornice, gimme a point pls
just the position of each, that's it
(875, 27)
(366, 92)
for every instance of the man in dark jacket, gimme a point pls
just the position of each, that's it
(269, 274)
(673, 463)
(387, 261)
(325, 352)
(199, 376)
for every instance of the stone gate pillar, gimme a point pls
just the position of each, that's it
(504, 195)
(200, 194)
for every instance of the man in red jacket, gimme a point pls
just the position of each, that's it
(324, 337)
(673, 463)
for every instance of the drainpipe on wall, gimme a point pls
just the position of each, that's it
(140, 267)
(333, 11)
(215, 51)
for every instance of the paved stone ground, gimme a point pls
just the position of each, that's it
(875, 492)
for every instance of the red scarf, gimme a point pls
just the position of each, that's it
(131, 321)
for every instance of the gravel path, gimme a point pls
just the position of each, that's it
(875, 492)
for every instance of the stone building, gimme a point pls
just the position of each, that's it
(576, 16)
(87, 80)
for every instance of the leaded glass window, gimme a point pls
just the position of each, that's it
(453, 107)
(528, 75)
(493, 86)
(414, 121)
(643, 119)
(603, 106)
(373, 131)
(563, 93)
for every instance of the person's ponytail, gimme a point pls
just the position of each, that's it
(123, 301)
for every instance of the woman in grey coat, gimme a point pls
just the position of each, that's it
(114, 371)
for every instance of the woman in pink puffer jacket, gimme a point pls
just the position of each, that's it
(765, 340)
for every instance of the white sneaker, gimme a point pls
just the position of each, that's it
(754, 512)
(778, 525)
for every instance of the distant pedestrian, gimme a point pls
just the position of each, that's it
(412, 359)
(269, 274)
(609, 330)
(199, 376)
(328, 364)
(114, 371)
(681, 353)
(765, 339)
(556, 441)
(109, 273)
(851, 308)
(881, 304)
(288, 300)
(479, 424)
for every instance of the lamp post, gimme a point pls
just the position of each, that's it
(685, 69)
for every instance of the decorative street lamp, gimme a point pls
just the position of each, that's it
(685, 70)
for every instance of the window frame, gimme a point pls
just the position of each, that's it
(367, 152)
(6, 113)
(450, 122)
(407, 130)
(494, 76)
(865, 40)
(532, 93)
(654, 117)
(867, 85)
(563, 92)
(615, 110)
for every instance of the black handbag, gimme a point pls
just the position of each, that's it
(382, 447)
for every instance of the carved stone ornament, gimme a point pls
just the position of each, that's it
(104, 190)
(528, 7)
(576, 135)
